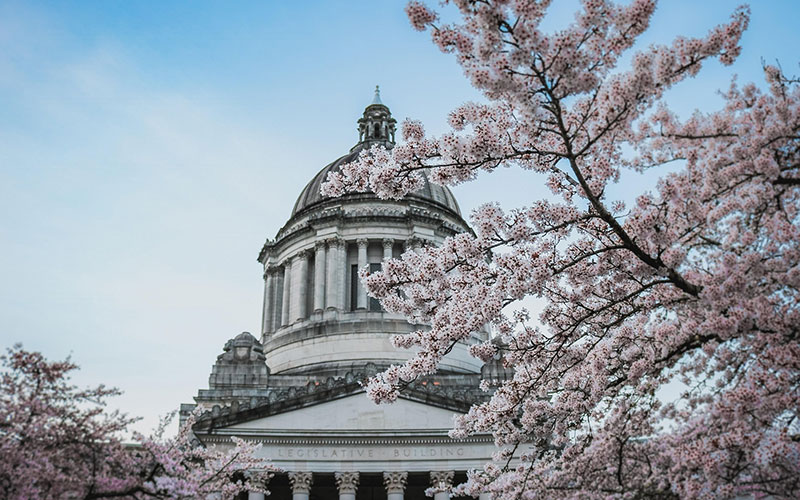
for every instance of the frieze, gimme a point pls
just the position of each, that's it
(424, 212)
(324, 214)
(375, 211)
(372, 453)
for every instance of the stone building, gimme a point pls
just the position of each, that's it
(296, 387)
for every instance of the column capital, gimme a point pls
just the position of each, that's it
(302, 254)
(362, 242)
(320, 245)
(347, 482)
(442, 480)
(388, 242)
(301, 481)
(334, 242)
(413, 243)
(272, 269)
(395, 482)
(287, 262)
(260, 479)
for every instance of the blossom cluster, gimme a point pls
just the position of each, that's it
(58, 441)
(698, 282)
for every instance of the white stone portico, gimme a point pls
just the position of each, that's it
(297, 387)
(352, 433)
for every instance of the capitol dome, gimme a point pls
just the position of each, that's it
(297, 387)
(317, 318)
(310, 197)
(376, 126)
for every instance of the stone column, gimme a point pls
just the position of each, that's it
(297, 307)
(339, 268)
(269, 296)
(275, 307)
(442, 481)
(413, 243)
(388, 244)
(395, 483)
(347, 483)
(319, 276)
(301, 484)
(287, 289)
(361, 292)
(330, 274)
(257, 479)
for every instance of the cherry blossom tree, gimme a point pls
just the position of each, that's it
(696, 282)
(58, 441)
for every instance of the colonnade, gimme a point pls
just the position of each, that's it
(347, 485)
(286, 294)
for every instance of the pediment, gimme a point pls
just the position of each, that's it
(353, 413)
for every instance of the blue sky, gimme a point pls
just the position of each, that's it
(147, 149)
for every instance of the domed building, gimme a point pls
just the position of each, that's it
(296, 387)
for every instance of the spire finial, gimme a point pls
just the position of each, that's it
(377, 98)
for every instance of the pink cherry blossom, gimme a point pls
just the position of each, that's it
(59, 441)
(697, 282)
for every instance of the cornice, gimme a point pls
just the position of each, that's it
(223, 436)
(415, 210)
(452, 397)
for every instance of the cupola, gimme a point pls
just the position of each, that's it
(377, 124)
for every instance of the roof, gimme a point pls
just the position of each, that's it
(430, 192)
(455, 393)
